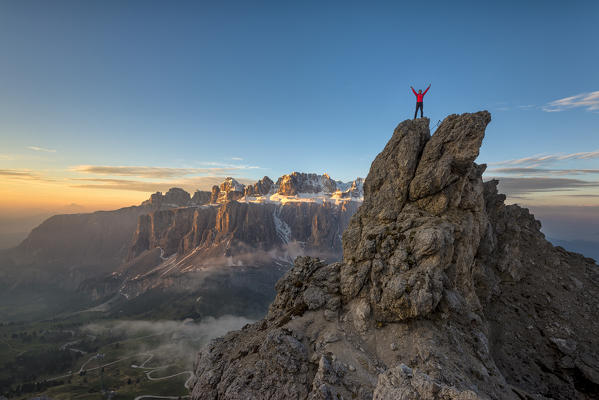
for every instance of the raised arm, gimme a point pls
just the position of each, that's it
(413, 91)
(429, 86)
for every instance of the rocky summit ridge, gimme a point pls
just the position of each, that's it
(444, 292)
(296, 186)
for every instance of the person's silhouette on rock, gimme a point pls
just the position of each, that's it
(419, 98)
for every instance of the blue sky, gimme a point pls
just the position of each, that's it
(264, 88)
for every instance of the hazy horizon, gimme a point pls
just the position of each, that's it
(103, 104)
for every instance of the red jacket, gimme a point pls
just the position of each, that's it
(420, 96)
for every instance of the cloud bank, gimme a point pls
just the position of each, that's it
(178, 340)
(23, 174)
(156, 172)
(190, 184)
(526, 186)
(588, 101)
(37, 148)
(549, 158)
(542, 171)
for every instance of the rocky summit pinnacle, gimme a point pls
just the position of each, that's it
(444, 292)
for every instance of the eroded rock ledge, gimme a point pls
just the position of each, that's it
(444, 292)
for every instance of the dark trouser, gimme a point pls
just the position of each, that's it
(418, 105)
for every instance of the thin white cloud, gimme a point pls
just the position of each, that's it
(23, 174)
(157, 172)
(588, 101)
(37, 148)
(543, 159)
(16, 172)
(225, 165)
(237, 158)
(542, 171)
(526, 186)
(190, 184)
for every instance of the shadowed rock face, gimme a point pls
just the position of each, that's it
(444, 292)
(234, 227)
(259, 188)
(397, 250)
(200, 197)
(68, 249)
(299, 182)
(175, 197)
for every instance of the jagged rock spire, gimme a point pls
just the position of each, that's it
(419, 193)
(444, 293)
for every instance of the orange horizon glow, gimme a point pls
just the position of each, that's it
(22, 197)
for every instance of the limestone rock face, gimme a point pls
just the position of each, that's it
(299, 182)
(259, 188)
(356, 189)
(444, 292)
(214, 194)
(175, 197)
(200, 197)
(229, 190)
(398, 248)
(233, 228)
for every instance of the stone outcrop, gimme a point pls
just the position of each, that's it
(260, 188)
(234, 228)
(355, 190)
(229, 190)
(200, 197)
(214, 194)
(299, 182)
(175, 197)
(444, 292)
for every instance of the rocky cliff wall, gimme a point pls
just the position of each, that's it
(234, 228)
(444, 292)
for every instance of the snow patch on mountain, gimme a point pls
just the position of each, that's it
(283, 230)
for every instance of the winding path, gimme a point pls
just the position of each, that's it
(148, 371)
(151, 370)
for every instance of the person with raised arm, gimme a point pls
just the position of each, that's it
(419, 98)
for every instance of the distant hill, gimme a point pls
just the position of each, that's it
(584, 247)
(170, 240)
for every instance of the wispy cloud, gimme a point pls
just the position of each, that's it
(521, 186)
(588, 101)
(37, 148)
(542, 171)
(237, 158)
(583, 195)
(547, 158)
(23, 174)
(157, 172)
(118, 184)
(527, 107)
(190, 184)
(16, 172)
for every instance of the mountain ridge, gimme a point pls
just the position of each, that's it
(97, 252)
(444, 292)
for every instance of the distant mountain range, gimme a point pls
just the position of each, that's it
(171, 239)
(586, 247)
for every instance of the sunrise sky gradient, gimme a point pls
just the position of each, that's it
(102, 103)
